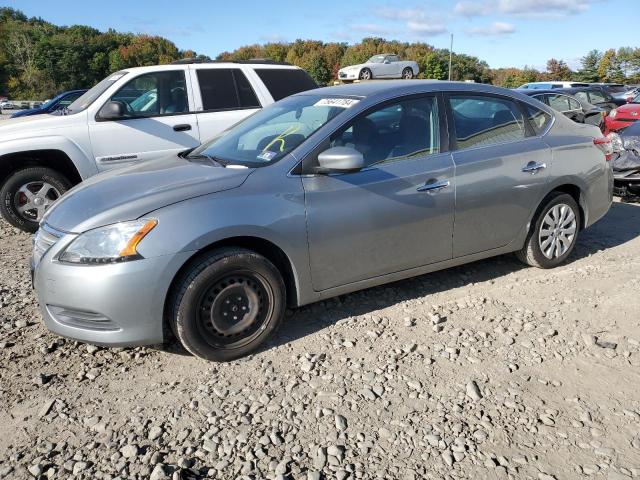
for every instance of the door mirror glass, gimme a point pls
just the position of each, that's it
(112, 110)
(341, 159)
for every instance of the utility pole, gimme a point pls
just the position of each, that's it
(450, 56)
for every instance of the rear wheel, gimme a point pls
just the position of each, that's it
(227, 303)
(28, 193)
(554, 234)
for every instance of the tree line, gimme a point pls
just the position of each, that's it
(39, 59)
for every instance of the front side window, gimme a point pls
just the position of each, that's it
(225, 89)
(273, 132)
(485, 120)
(153, 94)
(596, 97)
(401, 130)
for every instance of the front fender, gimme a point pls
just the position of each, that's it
(81, 160)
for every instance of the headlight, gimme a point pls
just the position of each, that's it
(616, 142)
(110, 244)
(613, 113)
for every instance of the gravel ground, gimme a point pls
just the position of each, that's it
(489, 370)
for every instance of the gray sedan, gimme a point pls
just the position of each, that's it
(320, 194)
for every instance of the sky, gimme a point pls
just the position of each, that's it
(502, 32)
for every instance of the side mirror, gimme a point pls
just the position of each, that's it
(112, 110)
(341, 159)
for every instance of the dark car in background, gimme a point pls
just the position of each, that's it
(595, 95)
(59, 102)
(572, 107)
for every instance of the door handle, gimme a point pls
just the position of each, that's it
(534, 167)
(433, 187)
(183, 127)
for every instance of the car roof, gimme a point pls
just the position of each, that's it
(178, 66)
(393, 88)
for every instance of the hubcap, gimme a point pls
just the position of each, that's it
(366, 75)
(558, 231)
(33, 198)
(234, 310)
(408, 74)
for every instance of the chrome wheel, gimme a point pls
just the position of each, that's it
(233, 311)
(34, 198)
(557, 231)
(365, 74)
(407, 74)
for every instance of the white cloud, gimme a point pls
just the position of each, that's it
(391, 13)
(495, 29)
(372, 28)
(536, 8)
(425, 28)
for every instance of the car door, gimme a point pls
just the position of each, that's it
(386, 68)
(397, 212)
(501, 170)
(223, 97)
(157, 120)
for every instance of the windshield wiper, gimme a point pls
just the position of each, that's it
(211, 158)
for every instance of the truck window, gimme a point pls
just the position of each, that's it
(225, 89)
(282, 82)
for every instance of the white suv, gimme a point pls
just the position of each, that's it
(132, 115)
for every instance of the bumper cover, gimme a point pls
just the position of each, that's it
(114, 305)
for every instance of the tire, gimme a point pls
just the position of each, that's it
(203, 293)
(407, 73)
(31, 181)
(365, 74)
(548, 247)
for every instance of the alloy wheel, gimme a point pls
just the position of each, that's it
(557, 231)
(34, 198)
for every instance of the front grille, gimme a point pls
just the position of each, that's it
(43, 240)
(82, 319)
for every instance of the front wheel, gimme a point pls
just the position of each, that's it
(407, 73)
(28, 193)
(227, 303)
(365, 74)
(554, 234)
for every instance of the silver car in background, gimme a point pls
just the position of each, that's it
(320, 194)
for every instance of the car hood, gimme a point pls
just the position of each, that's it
(35, 125)
(128, 193)
(353, 67)
(628, 108)
(27, 112)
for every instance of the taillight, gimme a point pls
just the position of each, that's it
(604, 144)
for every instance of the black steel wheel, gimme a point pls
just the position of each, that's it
(227, 303)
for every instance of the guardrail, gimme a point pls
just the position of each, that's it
(22, 104)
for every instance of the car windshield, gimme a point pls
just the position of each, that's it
(52, 101)
(273, 132)
(376, 59)
(636, 99)
(90, 96)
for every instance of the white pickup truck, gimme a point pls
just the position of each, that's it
(132, 115)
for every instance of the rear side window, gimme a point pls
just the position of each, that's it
(485, 120)
(282, 82)
(596, 97)
(538, 119)
(559, 102)
(225, 89)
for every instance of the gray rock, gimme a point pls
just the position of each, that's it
(473, 391)
(341, 423)
(129, 451)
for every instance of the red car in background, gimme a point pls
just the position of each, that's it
(622, 117)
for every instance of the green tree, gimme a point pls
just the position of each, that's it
(558, 70)
(589, 70)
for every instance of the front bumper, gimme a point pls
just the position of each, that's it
(349, 75)
(114, 305)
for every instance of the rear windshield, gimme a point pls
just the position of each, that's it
(617, 88)
(282, 82)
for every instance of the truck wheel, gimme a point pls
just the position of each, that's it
(554, 234)
(407, 73)
(365, 74)
(28, 193)
(227, 303)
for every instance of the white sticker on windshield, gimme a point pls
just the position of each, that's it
(115, 77)
(336, 102)
(267, 155)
